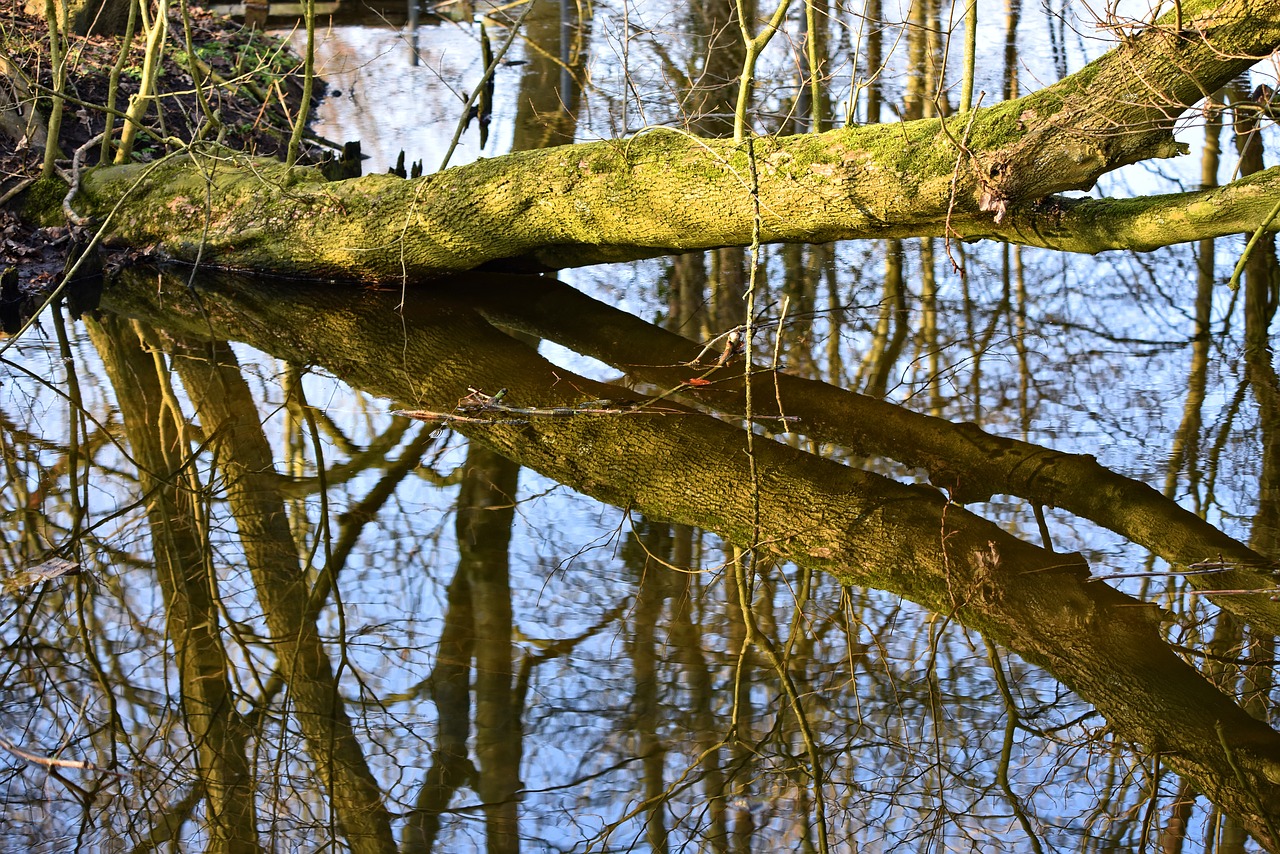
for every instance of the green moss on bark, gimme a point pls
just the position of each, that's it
(41, 203)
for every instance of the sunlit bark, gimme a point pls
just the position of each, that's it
(665, 191)
(99, 17)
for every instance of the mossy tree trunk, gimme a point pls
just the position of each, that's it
(989, 173)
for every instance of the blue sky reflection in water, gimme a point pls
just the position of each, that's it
(624, 652)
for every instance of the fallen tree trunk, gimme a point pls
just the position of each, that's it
(982, 174)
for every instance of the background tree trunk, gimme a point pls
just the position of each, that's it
(88, 17)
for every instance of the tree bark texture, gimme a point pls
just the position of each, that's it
(987, 173)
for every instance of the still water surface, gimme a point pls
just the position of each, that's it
(302, 620)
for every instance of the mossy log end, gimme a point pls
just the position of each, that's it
(982, 174)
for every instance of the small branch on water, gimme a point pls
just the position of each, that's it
(50, 762)
(480, 408)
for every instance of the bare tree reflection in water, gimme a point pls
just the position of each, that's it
(301, 622)
(549, 659)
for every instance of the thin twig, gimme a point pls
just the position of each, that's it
(77, 161)
(1234, 282)
(475, 93)
(50, 762)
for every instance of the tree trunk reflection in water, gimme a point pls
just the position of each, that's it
(486, 509)
(687, 637)
(970, 464)
(651, 594)
(450, 686)
(478, 627)
(551, 83)
(228, 416)
(161, 442)
(862, 528)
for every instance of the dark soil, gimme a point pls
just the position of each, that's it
(254, 112)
